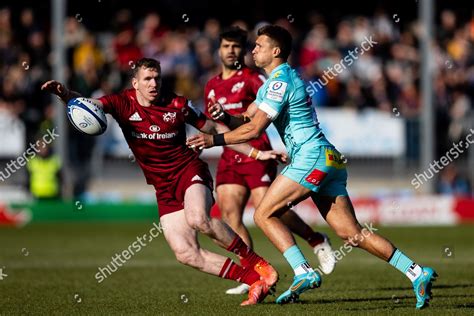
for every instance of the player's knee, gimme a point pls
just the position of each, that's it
(350, 236)
(258, 218)
(231, 216)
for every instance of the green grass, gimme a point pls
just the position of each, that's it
(57, 267)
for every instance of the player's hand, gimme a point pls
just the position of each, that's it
(200, 141)
(55, 87)
(273, 154)
(197, 150)
(215, 109)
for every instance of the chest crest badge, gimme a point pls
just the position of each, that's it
(169, 117)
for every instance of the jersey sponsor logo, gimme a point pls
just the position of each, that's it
(277, 85)
(153, 136)
(196, 178)
(211, 94)
(333, 159)
(231, 106)
(154, 128)
(316, 177)
(266, 178)
(169, 117)
(135, 117)
(237, 87)
(276, 91)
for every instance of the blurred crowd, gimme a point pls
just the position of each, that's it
(386, 76)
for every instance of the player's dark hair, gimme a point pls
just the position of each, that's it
(235, 34)
(146, 63)
(280, 36)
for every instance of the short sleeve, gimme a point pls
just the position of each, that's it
(272, 97)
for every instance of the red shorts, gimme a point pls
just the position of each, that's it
(170, 192)
(251, 175)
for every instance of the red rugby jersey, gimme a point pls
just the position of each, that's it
(156, 134)
(236, 94)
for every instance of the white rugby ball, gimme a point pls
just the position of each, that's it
(86, 116)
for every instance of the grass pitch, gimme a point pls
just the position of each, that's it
(49, 269)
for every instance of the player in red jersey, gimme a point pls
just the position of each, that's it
(153, 123)
(238, 176)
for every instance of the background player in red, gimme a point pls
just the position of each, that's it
(153, 123)
(238, 176)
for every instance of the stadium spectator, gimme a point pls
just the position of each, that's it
(43, 170)
(451, 182)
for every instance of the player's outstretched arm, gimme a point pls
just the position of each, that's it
(212, 128)
(65, 94)
(57, 88)
(247, 149)
(232, 121)
(242, 134)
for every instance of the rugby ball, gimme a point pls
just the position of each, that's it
(87, 116)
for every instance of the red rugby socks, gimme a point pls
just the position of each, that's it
(232, 271)
(248, 258)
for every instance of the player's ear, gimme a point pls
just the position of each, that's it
(276, 51)
(135, 83)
